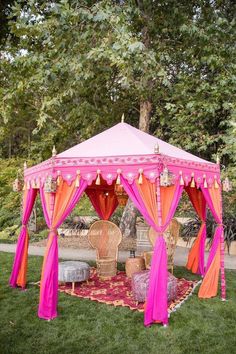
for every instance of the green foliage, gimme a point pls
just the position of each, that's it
(10, 234)
(69, 70)
(10, 202)
(76, 68)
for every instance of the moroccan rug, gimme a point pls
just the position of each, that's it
(117, 291)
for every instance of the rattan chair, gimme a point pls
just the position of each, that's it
(105, 237)
(171, 236)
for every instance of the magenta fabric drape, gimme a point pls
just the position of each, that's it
(218, 237)
(199, 204)
(27, 209)
(156, 306)
(219, 228)
(49, 281)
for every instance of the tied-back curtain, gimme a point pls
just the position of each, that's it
(215, 261)
(19, 269)
(104, 202)
(196, 254)
(147, 199)
(56, 207)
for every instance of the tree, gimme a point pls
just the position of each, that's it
(72, 68)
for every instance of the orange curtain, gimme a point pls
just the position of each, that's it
(147, 191)
(167, 195)
(209, 285)
(215, 262)
(104, 201)
(196, 254)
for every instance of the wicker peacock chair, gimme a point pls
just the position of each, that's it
(105, 237)
(171, 236)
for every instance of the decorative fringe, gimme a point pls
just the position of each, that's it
(216, 185)
(181, 182)
(24, 187)
(28, 185)
(193, 185)
(140, 179)
(98, 179)
(185, 299)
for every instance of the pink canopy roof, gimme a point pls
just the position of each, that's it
(123, 140)
(127, 150)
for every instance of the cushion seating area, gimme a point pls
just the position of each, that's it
(140, 283)
(73, 271)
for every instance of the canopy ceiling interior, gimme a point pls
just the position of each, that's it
(124, 150)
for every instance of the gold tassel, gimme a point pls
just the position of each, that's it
(28, 185)
(59, 180)
(140, 179)
(98, 179)
(118, 179)
(24, 187)
(181, 182)
(216, 185)
(77, 180)
(192, 185)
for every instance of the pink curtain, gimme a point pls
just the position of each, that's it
(22, 243)
(56, 208)
(216, 257)
(104, 202)
(147, 199)
(196, 254)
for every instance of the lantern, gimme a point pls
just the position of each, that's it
(166, 178)
(50, 185)
(17, 186)
(227, 185)
(121, 195)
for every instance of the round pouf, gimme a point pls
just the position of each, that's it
(140, 284)
(73, 271)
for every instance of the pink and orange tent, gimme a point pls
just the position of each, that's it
(153, 174)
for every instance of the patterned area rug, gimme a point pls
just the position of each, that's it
(117, 291)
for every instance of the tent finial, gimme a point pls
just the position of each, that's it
(156, 149)
(25, 165)
(217, 159)
(123, 118)
(54, 151)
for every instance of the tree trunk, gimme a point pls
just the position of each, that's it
(128, 220)
(145, 115)
(129, 216)
(32, 224)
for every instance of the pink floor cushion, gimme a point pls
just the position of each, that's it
(140, 283)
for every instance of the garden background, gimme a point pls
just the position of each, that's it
(70, 69)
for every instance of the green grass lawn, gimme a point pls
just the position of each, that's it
(84, 326)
